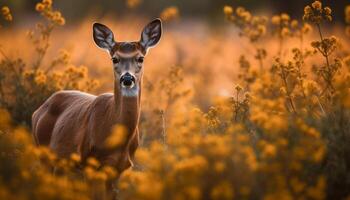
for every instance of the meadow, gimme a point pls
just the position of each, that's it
(256, 107)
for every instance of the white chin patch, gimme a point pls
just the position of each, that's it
(130, 92)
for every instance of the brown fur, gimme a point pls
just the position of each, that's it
(128, 47)
(76, 122)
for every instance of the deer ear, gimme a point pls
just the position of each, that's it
(151, 34)
(103, 36)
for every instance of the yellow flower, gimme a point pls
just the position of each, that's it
(347, 14)
(61, 21)
(318, 191)
(39, 7)
(8, 18)
(283, 91)
(318, 155)
(117, 137)
(110, 172)
(21, 136)
(316, 14)
(285, 17)
(194, 165)
(5, 10)
(246, 16)
(40, 78)
(133, 3)
(327, 10)
(269, 150)
(317, 5)
(184, 152)
(25, 174)
(238, 88)
(100, 176)
(276, 20)
(47, 2)
(222, 191)
(75, 157)
(93, 162)
(297, 185)
(89, 172)
(329, 18)
(56, 15)
(285, 32)
(240, 10)
(294, 24)
(193, 192)
(228, 10)
(306, 28)
(170, 13)
(219, 167)
(262, 29)
(307, 10)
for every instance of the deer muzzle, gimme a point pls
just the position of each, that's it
(127, 80)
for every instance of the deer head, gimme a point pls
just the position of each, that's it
(127, 57)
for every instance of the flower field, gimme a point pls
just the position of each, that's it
(256, 106)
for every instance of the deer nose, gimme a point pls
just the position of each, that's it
(127, 80)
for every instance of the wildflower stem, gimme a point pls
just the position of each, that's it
(2, 96)
(3, 54)
(325, 53)
(261, 65)
(237, 106)
(319, 103)
(42, 51)
(301, 82)
(162, 114)
(289, 97)
(300, 64)
(259, 57)
(280, 46)
(328, 77)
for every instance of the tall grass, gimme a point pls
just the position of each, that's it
(281, 132)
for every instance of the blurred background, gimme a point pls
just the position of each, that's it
(196, 37)
(204, 9)
(256, 89)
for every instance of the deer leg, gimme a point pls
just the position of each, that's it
(134, 143)
(111, 190)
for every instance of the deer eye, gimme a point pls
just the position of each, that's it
(115, 60)
(140, 60)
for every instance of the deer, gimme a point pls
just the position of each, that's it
(71, 121)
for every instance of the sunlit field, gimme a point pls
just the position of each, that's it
(243, 106)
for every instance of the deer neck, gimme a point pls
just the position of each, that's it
(127, 108)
